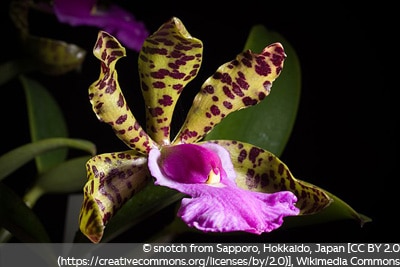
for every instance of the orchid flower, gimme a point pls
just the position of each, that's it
(228, 185)
(110, 18)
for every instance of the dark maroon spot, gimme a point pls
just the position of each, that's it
(144, 58)
(215, 110)
(253, 154)
(242, 155)
(262, 68)
(120, 101)
(154, 50)
(165, 131)
(264, 181)
(292, 184)
(160, 74)
(242, 83)
(217, 75)
(111, 87)
(236, 89)
(104, 55)
(209, 89)
(248, 101)
(188, 58)
(111, 44)
(186, 134)
(99, 105)
(159, 85)
(228, 92)
(144, 87)
(215, 98)
(165, 101)
(178, 87)
(177, 75)
(207, 129)
(173, 66)
(246, 60)
(183, 47)
(227, 104)
(193, 72)
(121, 119)
(176, 54)
(250, 182)
(281, 168)
(165, 41)
(95, 171)
(226, 78)
(180, 62)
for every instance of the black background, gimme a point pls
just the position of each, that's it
(343, 139)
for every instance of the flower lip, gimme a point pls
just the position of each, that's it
(191, 164)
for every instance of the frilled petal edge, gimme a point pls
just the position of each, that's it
(230, 209)
(223, 207)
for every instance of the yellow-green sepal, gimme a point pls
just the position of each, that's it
(113, 178)
(240, 83)
(259, 170)
(108, 101)
(170, 58)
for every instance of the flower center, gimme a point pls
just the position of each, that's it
(214, 177)
(191, 163)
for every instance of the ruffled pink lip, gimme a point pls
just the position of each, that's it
(222, 206)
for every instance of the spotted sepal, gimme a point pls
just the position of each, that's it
(113, 178)
(261, 171)
(107, 99)
(238, 84)
(169, 59)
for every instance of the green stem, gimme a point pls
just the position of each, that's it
(33, 195)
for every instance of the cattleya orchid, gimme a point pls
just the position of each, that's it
(228, 185)
(106, 16)
(111, 18)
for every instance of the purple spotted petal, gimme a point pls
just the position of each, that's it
(223, 207)
(113, 19)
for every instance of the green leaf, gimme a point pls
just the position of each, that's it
(46, 120)
(268, 124)
(19, 219)
(17, 157)
(337, 210)
(67, 177)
